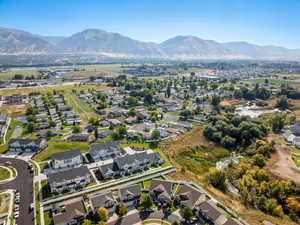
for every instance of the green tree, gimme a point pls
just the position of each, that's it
(217, 178)
(277, 122)
(282, 103)
(155, 135)
(122, 209)
(146, 201)
(87, 222)
(187, 213)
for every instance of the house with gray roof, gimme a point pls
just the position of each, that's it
(26, 145)
(69, 180)
(105, 150)
(130, 163)
(108, 171)
(68, 159)
(105, 200)
(73, 213)
(130, 195)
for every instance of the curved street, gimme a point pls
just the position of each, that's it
(23, 184)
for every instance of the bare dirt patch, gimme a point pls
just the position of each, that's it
(281, 164)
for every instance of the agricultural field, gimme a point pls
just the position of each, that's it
(271, 81)
(10, 74)
(45, 89)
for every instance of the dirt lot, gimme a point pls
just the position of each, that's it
(281, 164)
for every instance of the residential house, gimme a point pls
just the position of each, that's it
(78, 138)
(130, 163)
(130, 196)
(189, 196)
(161, 190)
(105, 200)
(108, 171)
(105, 150)
(15, 99)
(68, 159)
(26, 145)
(211, 213)
(69, 180)
(73, 214)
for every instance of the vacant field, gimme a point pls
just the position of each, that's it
(80, 107)
(192, 154)
(54, 147)
(13, 111)
(11, 74)
(281, 163)
(11, 128)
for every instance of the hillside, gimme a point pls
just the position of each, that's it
(116, 45)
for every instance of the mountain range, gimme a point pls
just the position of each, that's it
(96, 41)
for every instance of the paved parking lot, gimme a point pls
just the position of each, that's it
(23, 184)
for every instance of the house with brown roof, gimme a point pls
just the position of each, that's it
(212, 213)
(161, 190)
(189, 196)
(232, 222)
(72, 213)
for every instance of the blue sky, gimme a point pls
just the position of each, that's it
(275, 22)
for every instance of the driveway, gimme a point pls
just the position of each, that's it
(23, 184)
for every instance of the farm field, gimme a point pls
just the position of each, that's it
(11, 74)
(45, 89)
(271, 81)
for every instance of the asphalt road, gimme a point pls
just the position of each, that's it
(23, 184)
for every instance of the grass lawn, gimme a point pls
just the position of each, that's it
(12, 126)
(147, 183)
(48, 218)
(37, 203)
(11, 74)
(44, 165)
(46, 192)
(4, 173)
(3, 149)
(296, 160)
(54, 147)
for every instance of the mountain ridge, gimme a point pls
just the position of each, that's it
(13, 41)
